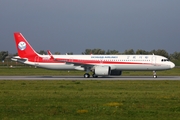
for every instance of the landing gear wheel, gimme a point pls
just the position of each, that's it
(94, 76)
(154, 74)
(86, 75)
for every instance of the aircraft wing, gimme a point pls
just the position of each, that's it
(67, 61)
(80, 64)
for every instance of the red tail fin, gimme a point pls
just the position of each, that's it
(23, 47)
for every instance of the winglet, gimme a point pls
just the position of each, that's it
(50, 54)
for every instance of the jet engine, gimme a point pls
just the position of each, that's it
(102, 70)
(116, 72)
(105, 71)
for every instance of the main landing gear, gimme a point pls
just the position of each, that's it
(154, 74)
(87, 75)
(94, 75)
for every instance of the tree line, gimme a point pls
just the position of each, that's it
(3, 55)
(162, 52)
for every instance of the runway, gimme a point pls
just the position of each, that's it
(82, 78)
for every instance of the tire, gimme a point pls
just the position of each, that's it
(86, 75)
(94, 76)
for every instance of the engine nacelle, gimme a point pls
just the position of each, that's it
(102, 70)
(116, 72)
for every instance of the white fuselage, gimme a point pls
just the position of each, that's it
(116, 62)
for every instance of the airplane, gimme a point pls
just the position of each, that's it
(99, 65)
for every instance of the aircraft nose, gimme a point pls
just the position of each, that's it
(172, 65)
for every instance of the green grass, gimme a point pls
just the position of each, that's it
(25, 70)
(75, 100)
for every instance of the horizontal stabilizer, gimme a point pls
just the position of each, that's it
(18, 59)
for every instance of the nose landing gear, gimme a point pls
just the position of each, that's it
(154, 74)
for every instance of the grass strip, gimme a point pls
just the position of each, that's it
(88, 100)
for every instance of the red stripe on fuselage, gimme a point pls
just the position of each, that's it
(78, 61)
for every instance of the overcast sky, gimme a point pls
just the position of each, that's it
(74, 25)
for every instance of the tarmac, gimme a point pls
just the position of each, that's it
(82, 78)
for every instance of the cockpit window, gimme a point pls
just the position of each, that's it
(163, 60)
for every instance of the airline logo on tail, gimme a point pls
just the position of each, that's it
(22, 45)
